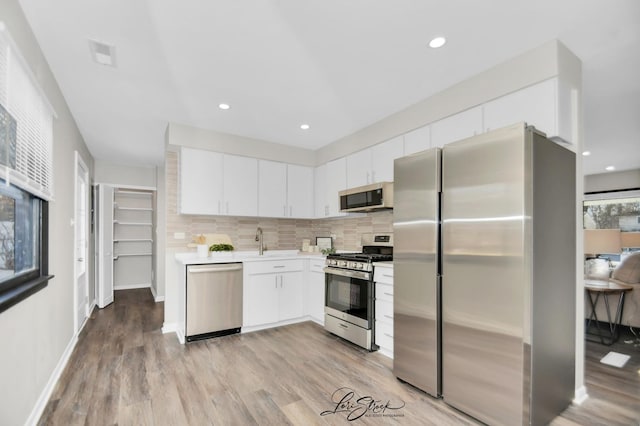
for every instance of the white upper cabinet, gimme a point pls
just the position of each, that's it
(300, 188)
(374, 164)
(417, 140)
(359, 168)
(201, 174)
(272, 189)
(455, 127)
(218, 184)
(544, 105)
(320, 206)
(383, 156)
(240, 186)
(336, 179)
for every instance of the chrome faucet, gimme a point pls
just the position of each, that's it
(260, 239)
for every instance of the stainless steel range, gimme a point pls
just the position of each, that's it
(350, 293)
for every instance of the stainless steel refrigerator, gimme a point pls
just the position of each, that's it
(484, 275)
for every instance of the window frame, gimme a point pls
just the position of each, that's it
(24, 285)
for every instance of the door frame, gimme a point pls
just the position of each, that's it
(80, 166)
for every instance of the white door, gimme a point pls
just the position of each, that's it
(81, 242)
(105, 245)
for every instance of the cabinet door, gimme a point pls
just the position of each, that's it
(240, 186)
(359, 168)
(290, 295)
(260, 299)
(417, 140)
(272, 189)
(299, 191)
(200, 181)
(536, 105)
(321, 208)
(459, 126)
(336, 181)
(315, 295)
(105, 245)
(383, 155)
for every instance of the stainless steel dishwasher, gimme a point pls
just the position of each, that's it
(213, 300)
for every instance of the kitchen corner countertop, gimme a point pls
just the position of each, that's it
(386, 264)
(192, 258)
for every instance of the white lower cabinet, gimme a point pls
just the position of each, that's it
(315, 285)
(273, 292)
(383, 278)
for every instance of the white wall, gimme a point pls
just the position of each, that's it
(127, 176)
(178, 135)
(628, 179)
(36, 332)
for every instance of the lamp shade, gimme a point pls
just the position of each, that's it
(598, 241)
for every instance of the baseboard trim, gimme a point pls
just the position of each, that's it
(156, 298)
(131, 286)
(173, 327)
(580, 395)
(43, 399)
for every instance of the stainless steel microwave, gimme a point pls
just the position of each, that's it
(372, 197)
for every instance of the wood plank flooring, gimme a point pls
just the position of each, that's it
(125, 371)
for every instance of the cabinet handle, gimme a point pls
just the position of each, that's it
(373, 176)
(368, 181)
(276, 281)
(387, 275)
(343, 325)
(388, 316)
(290, 211)
(278, 266)
(284, 210)
(388, 335)
(388, 294)
(219, 207)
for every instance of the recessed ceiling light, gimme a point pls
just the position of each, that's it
(304, 126)
(609, 168)
(224, 106)
(102, 53)
(437, 42)
(586, 153)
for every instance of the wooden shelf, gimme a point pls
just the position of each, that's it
(117, 222)
(115, 257)
(142, 209)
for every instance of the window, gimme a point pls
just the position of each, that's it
(615, 210)
(26, 177)
(23, 244)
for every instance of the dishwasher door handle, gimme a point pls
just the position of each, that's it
(225, 268)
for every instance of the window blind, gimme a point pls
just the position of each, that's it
(25, 101)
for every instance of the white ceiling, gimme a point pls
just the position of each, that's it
(337, 65)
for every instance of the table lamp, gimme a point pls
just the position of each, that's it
(601, 241)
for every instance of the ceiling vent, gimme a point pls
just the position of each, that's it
(104, 54)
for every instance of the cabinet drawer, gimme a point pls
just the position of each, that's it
(273, 266)
(384, 311)
(384, 292)
(384, 335)
(316, 266)
(383, 275)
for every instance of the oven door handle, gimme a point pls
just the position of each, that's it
(348, 273)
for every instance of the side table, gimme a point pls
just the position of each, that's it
(602, 289)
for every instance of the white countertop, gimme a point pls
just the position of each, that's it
(192, 258)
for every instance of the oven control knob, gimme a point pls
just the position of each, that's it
(360, 266)
(333, 262)
(344, 263)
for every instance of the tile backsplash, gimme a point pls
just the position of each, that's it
(279, 234)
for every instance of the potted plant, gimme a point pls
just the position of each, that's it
(221, 250)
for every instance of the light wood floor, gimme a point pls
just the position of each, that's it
(125, 371)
